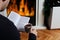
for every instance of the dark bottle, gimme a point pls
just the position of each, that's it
(46, 12)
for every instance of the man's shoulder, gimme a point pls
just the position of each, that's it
(4, 20)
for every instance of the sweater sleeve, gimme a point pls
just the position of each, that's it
(8, 30)
(32, 36)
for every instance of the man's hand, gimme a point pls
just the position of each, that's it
(29, 29)
(3, 4)
(34, 31)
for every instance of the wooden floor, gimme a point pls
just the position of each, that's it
(44, 35)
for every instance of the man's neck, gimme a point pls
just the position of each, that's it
(4, 13)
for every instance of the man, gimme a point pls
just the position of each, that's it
(8, 30)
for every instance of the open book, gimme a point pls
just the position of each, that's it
(19, 21)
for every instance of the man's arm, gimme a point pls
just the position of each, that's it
(8, 31)
(32, 32)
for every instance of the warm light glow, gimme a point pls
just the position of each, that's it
(13, 7)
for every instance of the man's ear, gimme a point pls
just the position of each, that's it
(3, 0)
(1, 10)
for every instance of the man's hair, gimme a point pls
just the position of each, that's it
(9, 4)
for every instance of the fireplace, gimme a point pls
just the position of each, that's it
(24, 8)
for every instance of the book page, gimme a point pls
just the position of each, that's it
(14, 17)
(22, 22)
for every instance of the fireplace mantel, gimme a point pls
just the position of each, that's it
(39, 16)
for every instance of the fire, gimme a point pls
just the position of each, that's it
(13, 7)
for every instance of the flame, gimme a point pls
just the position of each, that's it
(13, 7)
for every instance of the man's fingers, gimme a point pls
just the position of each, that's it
(34, 31)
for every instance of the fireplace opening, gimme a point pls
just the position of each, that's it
(24, 8)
